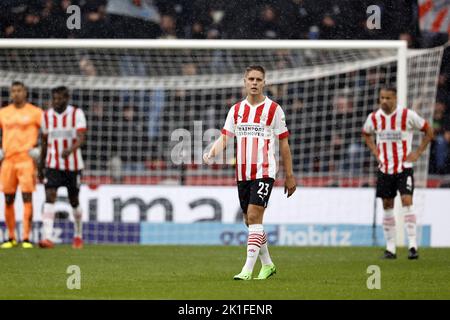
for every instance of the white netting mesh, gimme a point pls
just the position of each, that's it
(134, 99)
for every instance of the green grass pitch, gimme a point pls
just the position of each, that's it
(206, 272)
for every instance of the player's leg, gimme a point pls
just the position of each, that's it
(264, 255)
(27, 218)
(10, 220)
(9, 182)
(73, 188)
(27, 181)
(48, 216)
(406, 188)
(255, 237)
(387, 190)
(244, 199)
(53, 179)
(258, 198)
(389, 228)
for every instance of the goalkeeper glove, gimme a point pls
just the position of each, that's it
(2, 155)
(34, 153)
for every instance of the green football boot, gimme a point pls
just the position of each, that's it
(11, 243)
(244, 275)
(266, 271)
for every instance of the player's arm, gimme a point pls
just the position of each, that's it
(80, 141)
(2, 155)
(219, 145)
(429, 135)
(285, 150)
(1, 150)
(370, 142)
(43, 155)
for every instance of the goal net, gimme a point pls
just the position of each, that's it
(153, 107)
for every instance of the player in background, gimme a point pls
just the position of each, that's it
(20, 122)
(394, 126)
(256, 122)
(64, 132)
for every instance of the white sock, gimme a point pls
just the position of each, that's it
(411, 226)
(264, 255)
(389, 229)
(254, 242)
(48, 217)
(77, 215)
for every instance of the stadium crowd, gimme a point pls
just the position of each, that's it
(221, 19)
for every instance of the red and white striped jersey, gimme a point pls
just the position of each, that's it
(62, 134)
(394, 136)
(256, 128)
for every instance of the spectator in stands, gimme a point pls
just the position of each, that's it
(87, 67)
(268, 25)
(98, 140)
(138, 19)
(95, 24)
(168, 27)
(131, 137)
(31, 26)
(440, 147)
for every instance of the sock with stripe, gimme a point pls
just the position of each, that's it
(389, 229)
(27, 220)
(254, 242)
(264, 255)
(10, 219)
(48, 217)
(77, 215)
(411, 226)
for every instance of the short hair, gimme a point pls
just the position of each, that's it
(257, 68)
(18, 83)
(61, 90)
(389, 88)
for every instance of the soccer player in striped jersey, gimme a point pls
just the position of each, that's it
(64, 132)
(394, 126)
(256, 122)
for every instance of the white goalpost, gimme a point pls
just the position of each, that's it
(137, 93)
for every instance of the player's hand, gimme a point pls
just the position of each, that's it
(207, 158)
(412, 157)
(66, 153)
(290, 186)
(377, 156)
(40, 174)
(34, 153)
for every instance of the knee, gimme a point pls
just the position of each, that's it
(27, 197)
(74, 202)
(9, 199)
(246, 219)
(388, 204)
(252, 218)
(50, 196)
(407, 202)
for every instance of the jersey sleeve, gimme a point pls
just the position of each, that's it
(80, 120)
(44, 122)
(229, 127)
(416, 122)
(279, 126)
(368, 125)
